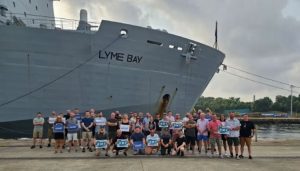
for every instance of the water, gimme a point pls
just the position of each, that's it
(278, 132)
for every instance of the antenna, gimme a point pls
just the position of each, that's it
(216, 37)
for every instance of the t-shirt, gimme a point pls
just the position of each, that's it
(191, 132)
(180, 140)
(69, 122)
(156, 125)
(137, 136)
(101, 136)
(112, 129)
(233, 124)
(213, 127)
(202, 125)
(154, 137)
(165, 138)
(38, 121)
(246, 128)
(87, 122)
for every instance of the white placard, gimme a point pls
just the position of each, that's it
(124, 128)
(100, 122)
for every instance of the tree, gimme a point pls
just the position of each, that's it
(263, 105)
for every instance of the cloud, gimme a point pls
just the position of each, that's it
(257, 36)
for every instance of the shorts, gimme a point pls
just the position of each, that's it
(72, 136)
(86, 135)
(213, 141)
(37, 133)
(59, 136)
(224, 137)
(245, 140)
(190, 140)
(233, 140)
(202, 137)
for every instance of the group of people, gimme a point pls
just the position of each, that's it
(165, 134)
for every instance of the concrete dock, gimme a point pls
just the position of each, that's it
(268, 155)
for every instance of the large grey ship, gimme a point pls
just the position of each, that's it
(115, 66)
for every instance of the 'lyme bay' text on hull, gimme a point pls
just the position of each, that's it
(118, 56)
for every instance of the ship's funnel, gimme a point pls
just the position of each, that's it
(83, 15)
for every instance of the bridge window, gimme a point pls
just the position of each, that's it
(179, 48)
(154, 42)
(171, 46)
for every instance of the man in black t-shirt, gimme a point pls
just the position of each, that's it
(246, 133)
(166, 143)
(112, 125)
(179, 144)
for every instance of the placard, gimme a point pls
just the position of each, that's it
(163, 124)
(177, 125)
(223, 130)
(152, 142)
(58, 128)
(72, 127)
(138, 145)
(51, 120)
(124, 128)
(122, 143)
(100, 122)
(101, 144)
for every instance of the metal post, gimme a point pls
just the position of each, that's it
(255, 132)
(292, 100)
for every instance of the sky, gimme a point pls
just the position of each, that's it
(257, 36)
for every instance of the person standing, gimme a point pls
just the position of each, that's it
(51, 121)
(99, 121)
(246, 133)
(72, 128)
(190, 133)
(202, 135)
(58, 130)
(38, 123)
(215, 137)
(86, 125)
(234, 132)
(223, 136)
(113, 126)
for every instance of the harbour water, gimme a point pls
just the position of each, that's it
(278, 132)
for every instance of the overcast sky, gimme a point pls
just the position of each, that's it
(258, 36)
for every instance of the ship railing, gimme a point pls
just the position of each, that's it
(31, 20)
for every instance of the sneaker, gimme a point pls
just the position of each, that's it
(231, 155)
(69, 149)
(83, 150)
(210, 155)
(90, 150)
(41, 146)
(241, 156)
(125, 154)
(221, 156)
(49, 145)
(250, 157)
(32, 147)
(237, 157)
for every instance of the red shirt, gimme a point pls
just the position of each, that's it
(213, 127)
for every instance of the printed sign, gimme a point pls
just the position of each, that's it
(163, 124)
(100, 122)
(223, 130)
(122, 143)
(177, 125)
(152, 142)
(72, 127)
(58, 128)
(101, 144)
(51, 120)
(138, 145)
(124, 128)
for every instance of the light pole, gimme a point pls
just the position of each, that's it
(292, 86)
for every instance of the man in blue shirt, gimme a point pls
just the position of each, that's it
(138, 139)
(86, 126)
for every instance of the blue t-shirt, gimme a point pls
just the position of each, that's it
(137, 136)
(87, 122)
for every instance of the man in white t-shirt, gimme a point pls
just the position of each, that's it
(152, 142)
(202, 135)
(233, 138)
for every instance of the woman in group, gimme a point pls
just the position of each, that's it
(101, 135)
(58, 130)
(125, 124)
(224, 139)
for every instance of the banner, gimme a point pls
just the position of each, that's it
(163, 124)
(152, 142)
(122, 143)
(124, 128)
(58, 128)
(223, 130)
(177, 125)
(100, 122)
(101, 144)
(51, 120)
(138, 145)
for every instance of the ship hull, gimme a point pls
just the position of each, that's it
(106, 70)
